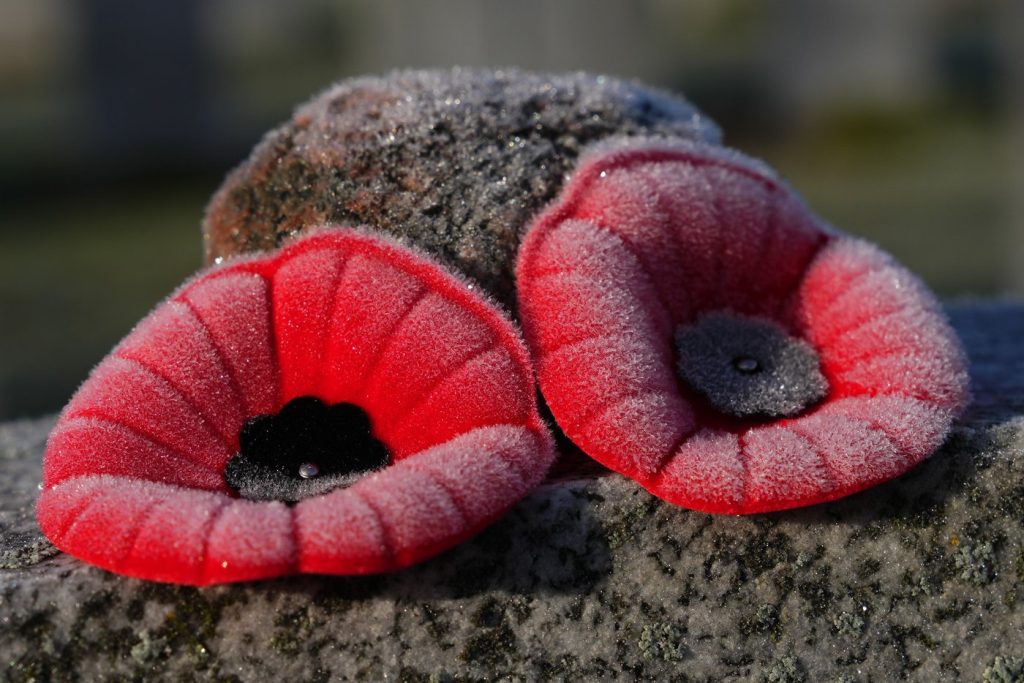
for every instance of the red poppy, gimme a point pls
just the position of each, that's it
(344, 406)
(696, 328)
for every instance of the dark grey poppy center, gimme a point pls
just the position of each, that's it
(308, 448)
(749, 367)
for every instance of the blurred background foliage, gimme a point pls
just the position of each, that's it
(900, 121)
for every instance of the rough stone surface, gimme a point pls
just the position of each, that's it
(591, 578)
(456, 162)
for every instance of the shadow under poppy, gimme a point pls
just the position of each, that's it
(550, 543)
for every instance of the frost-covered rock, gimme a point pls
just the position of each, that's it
(591, 578)
(455, 161)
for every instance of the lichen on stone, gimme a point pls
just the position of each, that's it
(786, 669)
(24, 549)
(764, 620)
(1004, 670)
(148, 648)
(662, 641)
(975, 563)
(849, 624)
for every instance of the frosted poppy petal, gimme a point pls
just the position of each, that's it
(125, 392)
(172, 343)
(235, 309)
(802, 327)
(707, 472)
(142, 471)
(305, 288)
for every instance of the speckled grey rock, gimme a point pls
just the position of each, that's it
(454, 161)
(591, 578)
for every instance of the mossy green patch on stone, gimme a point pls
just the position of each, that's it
(975, 563)
(817, 591)
(764, 620)
(849, 624)
(436, 623)
(662, 641)
(148, 649)
(629, 523)
(561, 667)
(190, 623)
(519, 608)
(489, 615)
(786, 669)
(24, 549)
(1004, 670)
(903, 637)
(868, 567)
(955, 609)
(806, 559)
(292, 632)
(766, 550)
(409, 674)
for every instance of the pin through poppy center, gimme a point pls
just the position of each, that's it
(308, 448)
(749, 367)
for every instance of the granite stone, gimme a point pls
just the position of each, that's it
(591, 579)
(455, 161)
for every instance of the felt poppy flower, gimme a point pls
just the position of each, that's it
(344, 406)
(696, 328)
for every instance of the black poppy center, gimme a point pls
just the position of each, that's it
(306, 449)
(749, 367)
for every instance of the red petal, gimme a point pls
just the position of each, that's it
(124, 392)
(305, 288)
(235, 309)
(706, 473)
(647, 238)
(133, 473)
(882, 332)
(783, 468)
(173, 344)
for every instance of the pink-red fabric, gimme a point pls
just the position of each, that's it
(647, 238)
(133, 473)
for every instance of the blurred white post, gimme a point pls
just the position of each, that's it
(532, 34)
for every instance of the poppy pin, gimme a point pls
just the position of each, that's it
(695, 327)
(342, 406)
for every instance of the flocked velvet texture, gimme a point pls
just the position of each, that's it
(647, 239)
(133, 476)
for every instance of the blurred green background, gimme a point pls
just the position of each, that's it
(902, 122)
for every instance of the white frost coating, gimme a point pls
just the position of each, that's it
(477, 89)
(126, 392)
(339, 524)
(304, 290)
(250, 534)
(915, 427)
(97, 446)
(463, 411)
(855, 452)
(437, 329)
(782, 465)
(709, 467)
(415, 511)
(173, 343)
(485, 470)
(235, 311)
(643, 429)
(371, 300)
